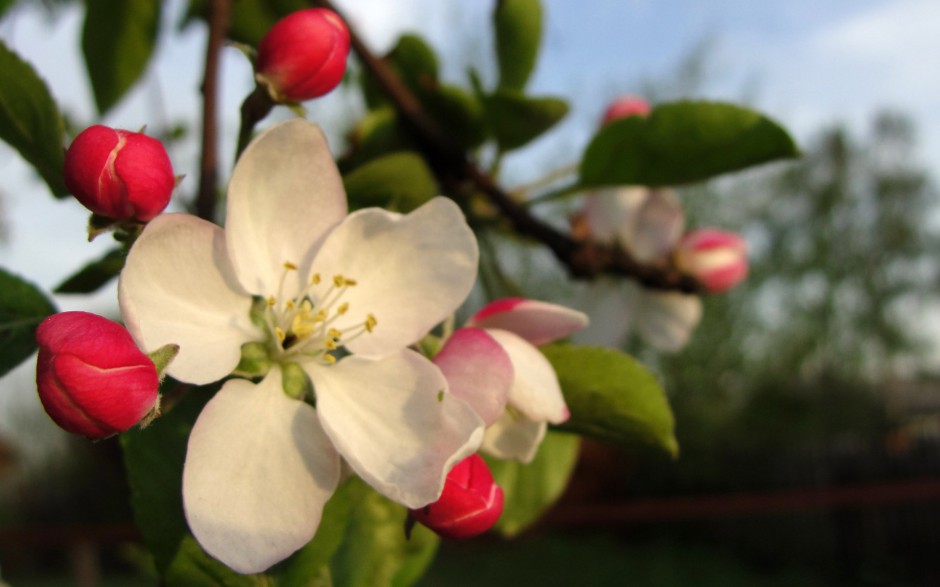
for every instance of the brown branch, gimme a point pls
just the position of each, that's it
(584, 258)
(207, 196)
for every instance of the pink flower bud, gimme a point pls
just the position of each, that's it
(625, 106)
(303, 56)
(716, 258)
(92, 378)
(469, 505)
(119, 174)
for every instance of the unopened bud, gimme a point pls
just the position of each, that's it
(469, 505)
(625, 106)
(717, 259)
(303, 56)
(119, 174)
(92, 378)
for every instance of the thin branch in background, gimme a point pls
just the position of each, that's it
(207, 196)
(584, 258)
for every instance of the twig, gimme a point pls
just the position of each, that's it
(584, 258)
(219, 16)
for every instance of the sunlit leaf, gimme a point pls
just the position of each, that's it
(117, 41)
(518, 27)
(29, 119)
(22, 308)
(529, 490)
(613, 397)
(682, 142)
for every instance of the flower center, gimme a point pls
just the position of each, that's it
(305, 325)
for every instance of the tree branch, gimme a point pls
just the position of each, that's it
(584, 259)
(207, 196)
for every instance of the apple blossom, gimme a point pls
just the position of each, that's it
(119, 174)
(469, 505)
(648, 224)
(718, 259)
(331, 302)
(91, 377)
(303, 56)
(625, 106)
(534, 398)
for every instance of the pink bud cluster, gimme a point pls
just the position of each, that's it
(92, 378)
(119, 174)
(303, 56)
(469, 505)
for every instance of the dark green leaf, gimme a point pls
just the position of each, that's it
(117, 42)
(458, 112)
(376, 551)
(29, 119)
(154, 458)
(94, 275)
(613, 397)
(518, 27)
(22, 308)
(682, 142)
(517, 119)
(400, 181)
(529, 490)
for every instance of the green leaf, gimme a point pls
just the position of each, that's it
(310, 565)
(458, 111)
(517, 119)
(682, 142)
(518, 27)
(613, 397)
(117, 41)
(30, 121)
(529, 490)
(399, 181)
(154, 458)
(95, 274)
(376, 551)
(22, 308)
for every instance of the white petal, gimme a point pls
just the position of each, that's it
(654, 230)
(607, 304)
(284, 196)
(667, 320)
(412, 271)
(178, 287)
(514, 437)
(535, 390)
(608, 211)
(478, 371)
(395, 423)
(535, 321)
(258, 471)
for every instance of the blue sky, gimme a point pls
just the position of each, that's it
(807, 63)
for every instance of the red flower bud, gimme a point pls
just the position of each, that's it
(92, 378)
(716, 258)
(303, 56)
(626, 106)
(469, 505)
(119, 174)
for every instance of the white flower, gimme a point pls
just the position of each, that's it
(648, 224)
(335, 297)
